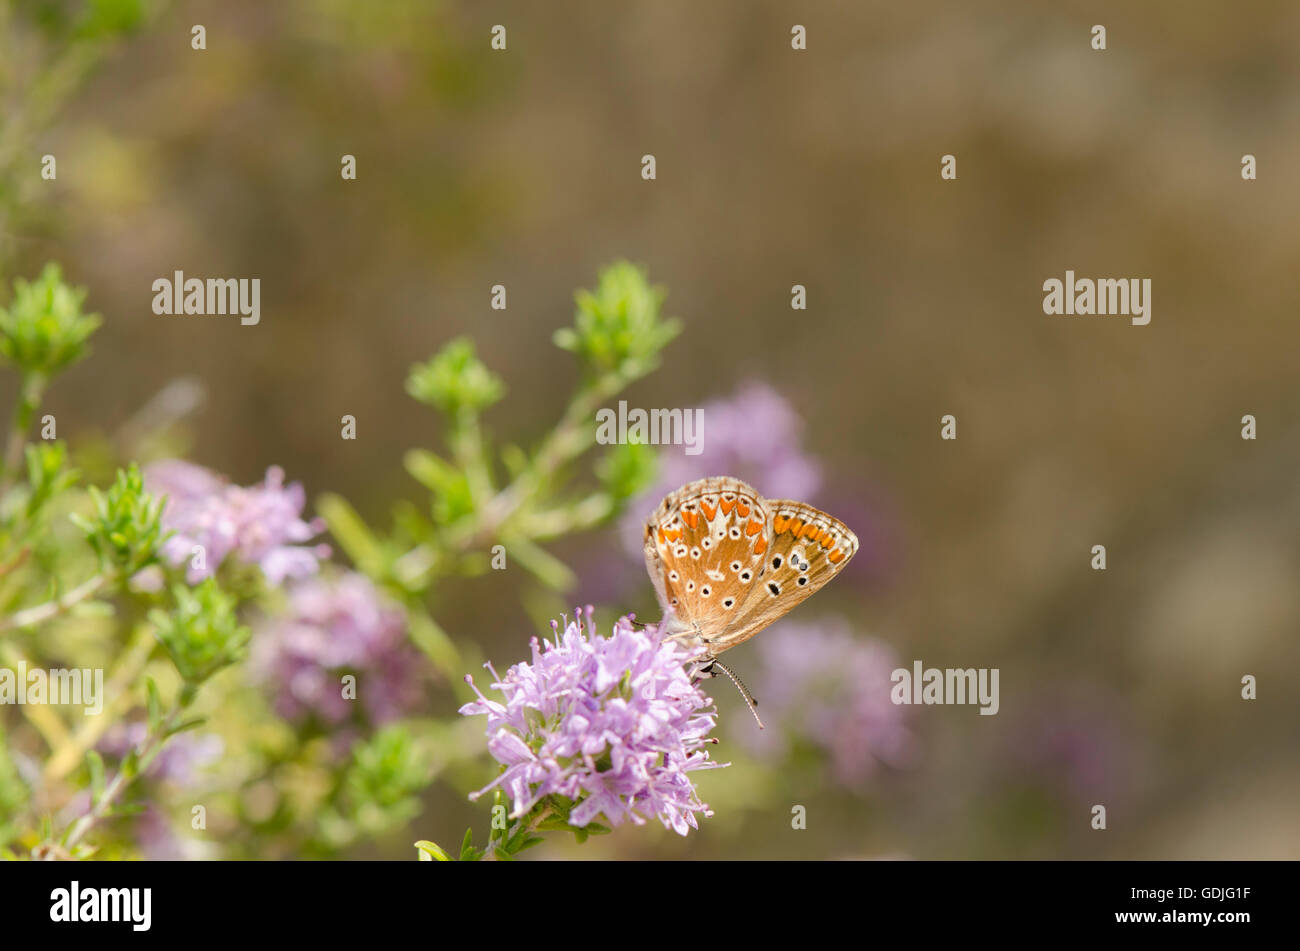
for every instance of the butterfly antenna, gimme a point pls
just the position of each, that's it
(744, 691)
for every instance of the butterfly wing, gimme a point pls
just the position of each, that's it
(808, 548)
(704, 549)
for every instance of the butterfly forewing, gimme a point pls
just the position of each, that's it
(704, 549)
(807, 549)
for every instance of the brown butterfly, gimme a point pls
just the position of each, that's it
(726, 563)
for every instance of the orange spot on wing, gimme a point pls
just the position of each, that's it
(753, 528)
(811, 529)
(826, 539)
(793, 527)
(835, 557)
(661, 536)
(779, 523)
(760, 546)
(673, 534)
(708, 510)
(742, 509)
(690, 518)
(727, 506)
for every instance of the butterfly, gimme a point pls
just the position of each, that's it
(726, 562)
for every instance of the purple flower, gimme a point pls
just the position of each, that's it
(334, 627)
(821, 686)
(181, 760)
(260, 524)
(613, 724)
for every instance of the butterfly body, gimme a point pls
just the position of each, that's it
(726, 562)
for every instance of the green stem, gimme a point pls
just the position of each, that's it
(468, 451)
(29, 398)
(64, 759)
(51, 609)
(153, 742)
(570, 439)
(526, 825)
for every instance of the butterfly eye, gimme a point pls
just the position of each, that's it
(735, 533)
(707, 543)
(776, 562)
(695, 553)
(736, 566)
(690, 586)
(704, 592)
(803, 580)
(673, 576)
(774, 588)
(680, 551)
(745, 576)
(728, 603)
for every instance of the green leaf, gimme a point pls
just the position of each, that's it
(429, 852)
(106, 18)
(450, 486)
(627, 469)
(465, 847)
(544, 566)
(201, 633)
(454, 380)
(192, 723)
(430, 470)
(125, 530)
(618, 327)
(434, 641)
(352, 534)
(43, 330)
(95, 764)
(154, 701)
(498, 799)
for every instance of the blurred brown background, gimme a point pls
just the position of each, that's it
(778, 167)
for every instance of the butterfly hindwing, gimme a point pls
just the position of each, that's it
(807, 549)
(704, 549)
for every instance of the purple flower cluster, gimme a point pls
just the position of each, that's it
(333, 627)
(613, 724)
(829, 689)
(260, 524)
